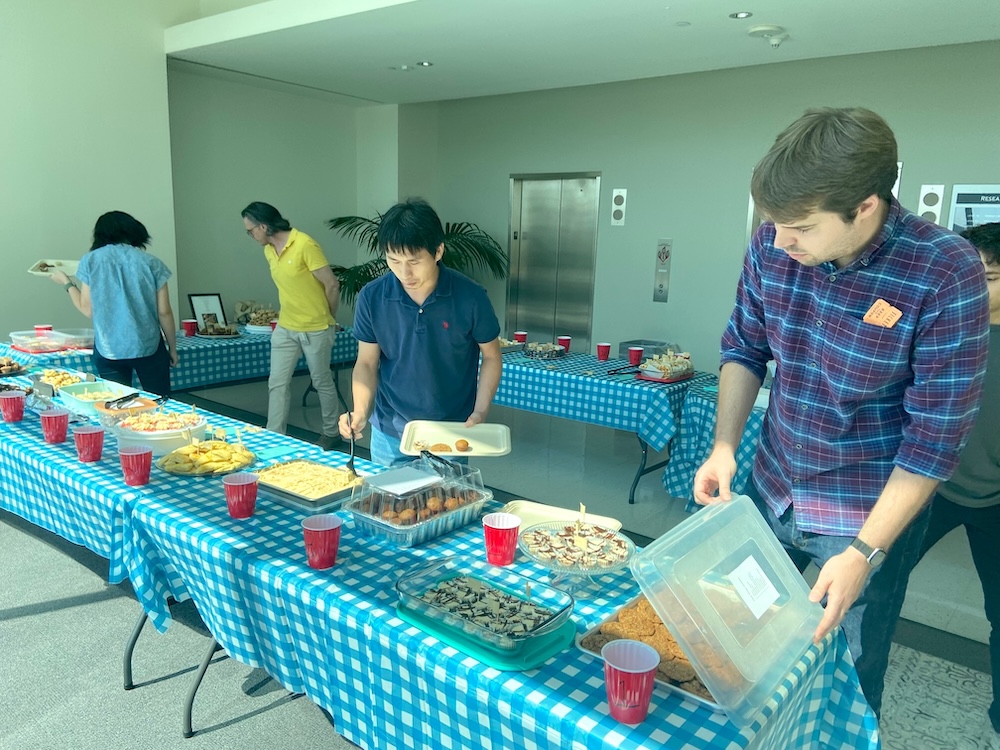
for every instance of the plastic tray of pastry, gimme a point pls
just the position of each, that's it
(489, 603)
(417, 517)
(637, 620)
(576, 549)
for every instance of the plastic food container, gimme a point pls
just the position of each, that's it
(161, 442)
(414, 584)
(77, 338)
(74, 396)
(34, 343)
(730, 596)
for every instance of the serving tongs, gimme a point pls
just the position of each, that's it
(454, 469)
(350, 461)
(626, 370)
(129, 400)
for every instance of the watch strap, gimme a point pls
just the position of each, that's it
(874, 555)
(69, 285)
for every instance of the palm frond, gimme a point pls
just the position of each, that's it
(352, 279)
(467, 247)
(363, 231)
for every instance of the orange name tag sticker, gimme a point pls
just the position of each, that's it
(883, 314)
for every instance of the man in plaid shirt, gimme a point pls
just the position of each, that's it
(878, 323)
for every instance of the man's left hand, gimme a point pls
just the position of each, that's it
(840, 581)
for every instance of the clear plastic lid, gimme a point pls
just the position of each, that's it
(734, 602)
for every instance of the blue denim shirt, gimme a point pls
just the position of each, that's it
(123, 283)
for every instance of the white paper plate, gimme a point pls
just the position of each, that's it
(532, 514)
(68, 267)
(257, 329)
(217, 335)
(484, 439)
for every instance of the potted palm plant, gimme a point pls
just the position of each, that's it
(467, 248)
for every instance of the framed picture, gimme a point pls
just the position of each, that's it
(972, 205)
(207, 308)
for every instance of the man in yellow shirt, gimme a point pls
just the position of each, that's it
(308, 294)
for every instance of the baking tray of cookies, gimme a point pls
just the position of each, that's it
(638, 620)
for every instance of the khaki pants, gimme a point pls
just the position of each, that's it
(286, 348)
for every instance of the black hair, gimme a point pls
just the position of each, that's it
(410, 227)
(119, 228)
(986, 239)
(266, 215)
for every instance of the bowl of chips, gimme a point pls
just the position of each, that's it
(206, 457)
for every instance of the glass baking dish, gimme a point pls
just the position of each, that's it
(547, 609)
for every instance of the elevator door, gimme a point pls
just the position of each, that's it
(553, 248)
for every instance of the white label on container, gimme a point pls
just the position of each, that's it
(753, 586)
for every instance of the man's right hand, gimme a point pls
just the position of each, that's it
(713, 479)
(351, 419)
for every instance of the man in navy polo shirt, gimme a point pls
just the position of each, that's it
(420, 332)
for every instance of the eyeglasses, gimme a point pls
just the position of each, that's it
(250, 230)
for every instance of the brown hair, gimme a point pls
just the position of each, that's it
(827, 160)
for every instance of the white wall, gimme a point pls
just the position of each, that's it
(234, 143)
(684, 147)
(83, 131)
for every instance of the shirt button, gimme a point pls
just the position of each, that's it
(421, 311)
(797, 481)
(819, 323)
(804, 407)
(832, 277)
(798, 446)
(814, 364)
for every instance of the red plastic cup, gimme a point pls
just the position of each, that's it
(89, 441)
(629, 669)
(322, 537)
(12, 405)
(274, 324)
(136, 462)
(500, 533)
(521, 337)
(190, 326)
(42, 330)
(55, 423)
(603, 352)
(564, 342)
(241, 493)
(634, 355)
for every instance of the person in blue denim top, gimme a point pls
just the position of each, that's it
(124, 290)
(878, 321)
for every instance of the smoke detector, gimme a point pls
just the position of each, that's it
(774, 35)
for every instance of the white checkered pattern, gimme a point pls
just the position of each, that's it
(562, 387)
(204, 361)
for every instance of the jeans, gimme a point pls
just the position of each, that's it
(870, 623)
(385, 450)
(982, 525)
(286, 348)
(153, 371)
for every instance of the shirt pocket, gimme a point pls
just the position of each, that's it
(863, 360)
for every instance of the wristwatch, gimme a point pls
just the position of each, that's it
(874, 555)
(69, 285)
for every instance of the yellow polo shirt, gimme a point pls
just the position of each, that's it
(304, 306)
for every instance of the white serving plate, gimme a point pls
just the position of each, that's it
(68, 267)
(162, 442)
(218, 335)
(257, 329)
(532, 514)
(484, 439)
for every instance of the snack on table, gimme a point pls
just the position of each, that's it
(576, 545)
(307, 479)
(639, 622)
(669, 365)
(161, 421)
(483, 605)
(416, 507)
(543, 351)
(206, 457)
(58, 378)
(98, 395)
(9, 366)
(8, 387)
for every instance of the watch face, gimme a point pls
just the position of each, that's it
(877, 558)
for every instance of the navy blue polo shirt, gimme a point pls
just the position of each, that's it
(429, 363)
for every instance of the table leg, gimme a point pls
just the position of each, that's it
(213, 646)
(130, 647)
(643, 469)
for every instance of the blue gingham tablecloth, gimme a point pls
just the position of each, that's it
(334, 636)
(83, 503)
(204, 361)
(695, 439)
(577, 386)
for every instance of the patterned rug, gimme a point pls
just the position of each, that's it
(932, 704)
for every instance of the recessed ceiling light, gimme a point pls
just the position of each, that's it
(683, 23)
(741, 15)
(424, 64)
